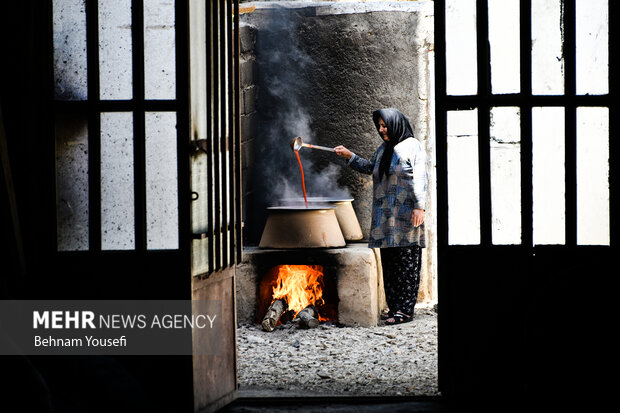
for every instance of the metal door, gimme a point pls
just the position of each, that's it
(215, 169)
(115, 178)
(146, 106)
(509, 309)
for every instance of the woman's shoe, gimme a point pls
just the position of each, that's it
(398, 318)
(387, 315)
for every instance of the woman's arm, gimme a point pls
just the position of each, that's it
(416, 181)
(420, 175)
(356, 162)
(343, 152)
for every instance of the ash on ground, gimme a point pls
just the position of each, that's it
(397, 360)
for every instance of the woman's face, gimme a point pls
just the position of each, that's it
(383, 130)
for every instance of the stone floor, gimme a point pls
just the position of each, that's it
(340, 361)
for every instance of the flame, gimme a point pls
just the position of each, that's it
(300, 286)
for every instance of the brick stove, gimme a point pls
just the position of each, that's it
(353, 270)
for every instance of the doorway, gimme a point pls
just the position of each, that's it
(312, 71)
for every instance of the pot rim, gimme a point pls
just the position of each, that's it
(316, 199)
(300, 208)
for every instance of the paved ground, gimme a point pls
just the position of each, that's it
(340, 361)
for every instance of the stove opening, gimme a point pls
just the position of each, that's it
(303, 294)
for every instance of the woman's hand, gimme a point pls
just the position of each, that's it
(344, 152)
(418, 217)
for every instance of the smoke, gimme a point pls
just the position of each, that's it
(283, 113)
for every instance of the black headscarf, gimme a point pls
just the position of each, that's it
(398, 129)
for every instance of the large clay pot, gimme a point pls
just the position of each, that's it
(301, 227)
(347, 219)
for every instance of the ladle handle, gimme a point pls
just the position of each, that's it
(323, 148)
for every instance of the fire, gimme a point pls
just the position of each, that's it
(300, 286)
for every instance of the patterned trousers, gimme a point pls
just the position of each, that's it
(401, 277)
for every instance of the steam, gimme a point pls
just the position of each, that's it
(283, 115)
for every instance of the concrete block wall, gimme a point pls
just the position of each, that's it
(249, 90)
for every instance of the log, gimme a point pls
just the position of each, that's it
(306, 318)
(273, 314)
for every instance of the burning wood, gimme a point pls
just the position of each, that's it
(306, 318)
(299, 285)
(273, 314)
(298, 289)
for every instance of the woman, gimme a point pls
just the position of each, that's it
(398, 169)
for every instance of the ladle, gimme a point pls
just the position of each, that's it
(297, 143)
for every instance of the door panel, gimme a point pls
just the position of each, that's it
(215, 375)
(481, 320)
